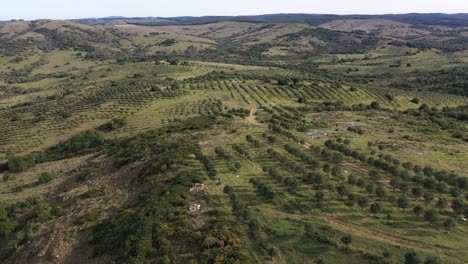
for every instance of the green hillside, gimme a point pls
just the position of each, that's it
(279, 139)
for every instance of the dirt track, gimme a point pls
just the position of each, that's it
(355, 167)
(252, 116)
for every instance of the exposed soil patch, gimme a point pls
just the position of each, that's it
(252, 117)
(317, 134)
(414, 151)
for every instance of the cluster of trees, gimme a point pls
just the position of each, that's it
(114, 124)
(83, 143)
(289, 182)
(156, 226)
(291, 113)
(263, 189)
(449, 118)
(290, 165)
(168, 43)
(242, 151)
(427, 176)
(305, 157)
(222, 244)
(453, 81)
(314, 178)
(337, 42)
(17, 221)
(421, 184)
(239, 208)
(208, 164)
(412, 257)
(283, 132)
(253, 141)
(287, 120)
(356, 130)
(332, 156)
(287, 81)
(322, 235)
(23, 75)
(276, 120)
(339, 106)
(240, 112)
(222, 153)
(242, 212)
(270, 139)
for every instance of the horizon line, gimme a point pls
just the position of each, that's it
(233, 16)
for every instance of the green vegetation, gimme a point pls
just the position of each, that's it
(234, 141)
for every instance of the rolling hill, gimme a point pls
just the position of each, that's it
(288, 138)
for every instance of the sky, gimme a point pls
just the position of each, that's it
(68, 9)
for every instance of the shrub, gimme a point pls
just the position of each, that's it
(42, 212)
(347, 239)
(403, 202)
(92, 194)
(84, 174)
(433, 260)
(114, 124)
(375, 105)
(44, 178)
(91, 217)
(412, 257)
(18, 164)
(7, 225)
(431, 216)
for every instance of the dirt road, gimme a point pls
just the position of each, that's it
(253, 115)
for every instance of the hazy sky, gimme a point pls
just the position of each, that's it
(61, 9)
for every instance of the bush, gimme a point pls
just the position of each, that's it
(92, 194)
(431, 216)
(403, 202)
(91, 217)
(114, 124)
(263, 189)
(44, 178)
(7, 225)
(80, 144)
(412, 257)
(42, 212)
(18, 164)
(375, 105)
(449, 224)
(347, 239)
(85, 174)
(433, 260)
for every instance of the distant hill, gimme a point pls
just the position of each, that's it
(458, 20)
(119, 20)
(245, 38)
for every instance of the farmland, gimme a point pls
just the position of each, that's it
(343, 141)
